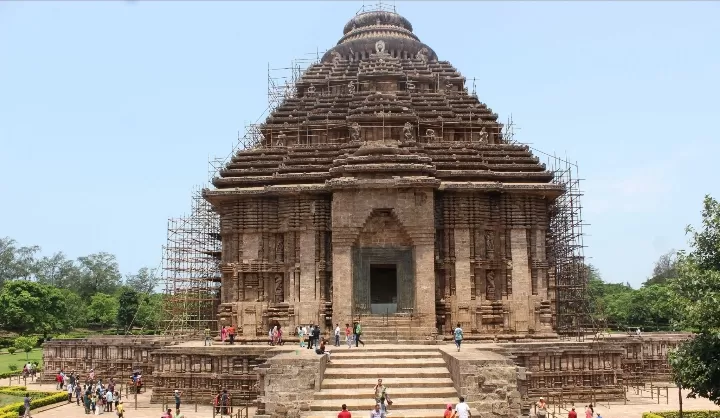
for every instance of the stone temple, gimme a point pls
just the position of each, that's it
(380, 190)
(381, 186)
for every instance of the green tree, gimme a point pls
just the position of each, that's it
(150, 312)
(99, 273)
(16, 262)
(57, 271)
(651, 307)
(665, 269)
(144, 281)
(129, 304)
(26, 344)
(76, 313)
(103, 309)
(696, 363)
(29, 307)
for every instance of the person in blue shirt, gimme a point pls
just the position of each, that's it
(458, 336)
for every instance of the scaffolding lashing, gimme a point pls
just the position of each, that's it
(191, 267)
(566, 253)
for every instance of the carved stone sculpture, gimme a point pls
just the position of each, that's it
(408, 131)
(279, 291)
(380, 47)
(280, 249)
(355, 131)
(483, 136)
(281, 140)
(351, 88)
(422, 55)
(490, 285)
(489, 243)
(430, 134)
(310, 91)
(336, 57)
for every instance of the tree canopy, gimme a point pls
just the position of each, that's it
(52, 294)
(696, 364)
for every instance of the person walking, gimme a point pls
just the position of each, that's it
(448, 411)
(572, 413)
(231, 332)
(26, 404)
(458, 336)
(541, 408)
(337, 335)
(588, 412)
(377, 412)
(358, 333)
(348, 335)
(462, 410)
(177, 401)
(120, 410)
(344, 413)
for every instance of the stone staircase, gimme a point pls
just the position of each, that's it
(417, 379)
(398, 329)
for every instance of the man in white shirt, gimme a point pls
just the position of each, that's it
(337, 335)
(377, 412)
(462, 410)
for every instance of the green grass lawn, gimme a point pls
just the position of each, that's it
(18, 359)
(6, 399)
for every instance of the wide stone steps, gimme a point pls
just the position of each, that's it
(343, 353)
(398, 404)
(365, 411)
(384, 363)
(398, 393)
(393, 382)
(416, 376)
(381, 373)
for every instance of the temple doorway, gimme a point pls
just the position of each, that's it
(383, 288)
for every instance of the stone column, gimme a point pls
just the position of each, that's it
(342, 284)
(522, 288)
(308, 305)
(540, 255)
(463, 286)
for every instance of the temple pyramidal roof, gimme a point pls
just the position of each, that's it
(381, 110)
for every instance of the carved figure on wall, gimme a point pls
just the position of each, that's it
(336, 57)
(351, 87)
(380, 47)
(430, 133)
(355, 131)
(280, 141)
(408, 131)
(490, 285)
(280, 249)
(489, 243)
(279, 291)
(422, 55)
(483, 136)
(310, 91)
(410, 85)
(449, 87)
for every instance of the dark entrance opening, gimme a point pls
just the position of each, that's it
(383, 288)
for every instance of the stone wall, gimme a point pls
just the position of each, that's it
(645, 357)
(288, 383)
(202, 372)
(570, 371)
(115, 357)
(487, 380)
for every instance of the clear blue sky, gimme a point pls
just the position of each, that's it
(109, 111)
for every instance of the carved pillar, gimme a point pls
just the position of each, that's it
(521, 278)
(462, 265)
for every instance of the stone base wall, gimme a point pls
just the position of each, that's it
(111, 357)
(202, 372)
(645, 357)
(288, 383)
(569, 371)
(487, 380)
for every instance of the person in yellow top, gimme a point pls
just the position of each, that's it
(120, 410)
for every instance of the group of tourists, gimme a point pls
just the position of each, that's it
(95, 397)
(275, 335)
(227, 333)
(541, 410)
(30, 370)
(382, 401)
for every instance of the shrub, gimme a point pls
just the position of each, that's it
(12, 367)
(39, 399)
(686, 414)
(12, 350)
